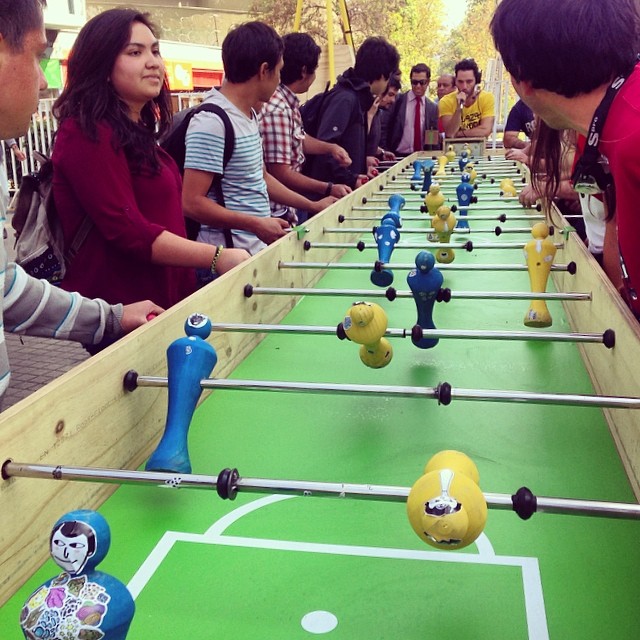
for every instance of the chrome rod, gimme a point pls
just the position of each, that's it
(386, 493)
(410, 265)
(391, 294)
(463, 334)
(444, 393)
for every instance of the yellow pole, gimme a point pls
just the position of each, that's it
(298, 17)
(346, 24)
(332, 66)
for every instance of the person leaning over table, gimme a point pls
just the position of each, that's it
(31, 306)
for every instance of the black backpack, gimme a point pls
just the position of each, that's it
(39, 245)
(173, 142)
(311, 111)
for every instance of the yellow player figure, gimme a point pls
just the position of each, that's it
(469, 168)
(434, 199)
(451, 153)
(467, 148)
(539, 253)
(507, 188)
(442, 163)
(446, 507)
(443, 223)
(365, 323)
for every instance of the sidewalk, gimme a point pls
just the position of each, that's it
(35, 361)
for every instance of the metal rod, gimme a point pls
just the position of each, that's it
(444, 393)
(424, 245)
(411, 265)
(464, 334)
(383, 493)
(362, 230)
(425, 216)
(392, 294)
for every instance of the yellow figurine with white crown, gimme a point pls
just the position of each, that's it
(365, 323)
(446, 507)
(539, 253)
(443, 223)
(434, 199)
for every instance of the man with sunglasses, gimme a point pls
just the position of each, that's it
(413, 123)
(468, 112)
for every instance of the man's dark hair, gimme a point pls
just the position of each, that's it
(246, 47)
(17, 18)
(394, 82)
(468, 64)
(565, 46)
(300, 52)
(376, 57)
(89, 95)
(421, 67)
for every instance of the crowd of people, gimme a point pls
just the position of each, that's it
(112, 177)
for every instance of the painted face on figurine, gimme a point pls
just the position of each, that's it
(72, 544)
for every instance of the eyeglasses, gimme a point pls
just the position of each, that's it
(445, 84)
(420, 82)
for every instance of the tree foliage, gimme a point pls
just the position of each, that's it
(367, 17)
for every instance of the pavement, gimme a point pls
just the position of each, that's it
(35, 361)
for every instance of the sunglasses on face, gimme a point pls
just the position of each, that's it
(420, 82)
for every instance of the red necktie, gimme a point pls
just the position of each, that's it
(417, 129)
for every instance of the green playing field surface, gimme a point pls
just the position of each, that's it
(279, 567)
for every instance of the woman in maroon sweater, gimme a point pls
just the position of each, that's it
(109, 169)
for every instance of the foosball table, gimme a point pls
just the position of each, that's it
(334, 366)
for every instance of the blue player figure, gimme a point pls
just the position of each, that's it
(464, 192)
(425, 281)
(427, 167)
(189, 360)
(386, 237)
(464, 160)
(396, 203)
(417, 172)
(80, 603)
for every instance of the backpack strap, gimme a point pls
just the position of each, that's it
(229, 145)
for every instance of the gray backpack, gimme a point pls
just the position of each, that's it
(39, 245)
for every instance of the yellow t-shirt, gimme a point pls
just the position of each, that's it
(482, 107)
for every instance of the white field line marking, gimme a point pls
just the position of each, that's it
(532, 584)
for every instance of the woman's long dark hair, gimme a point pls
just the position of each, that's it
(89, 96)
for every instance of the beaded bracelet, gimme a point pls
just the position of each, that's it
(328, 190)
(216, 255)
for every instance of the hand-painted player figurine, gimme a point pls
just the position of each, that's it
(442, 165)
(365, 323)
(396, 203)
(189, 360)
(434, 199)
(464, 193)
(425, 281)
(539, 253)
(443, 223)
(417, 172)
(451, 153)
(446, 507)
(427, 169)
(386, 237)
(508, 188)
(473, 174)
(464, 159)
(80, 603)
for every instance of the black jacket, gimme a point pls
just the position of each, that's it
(343, 121)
